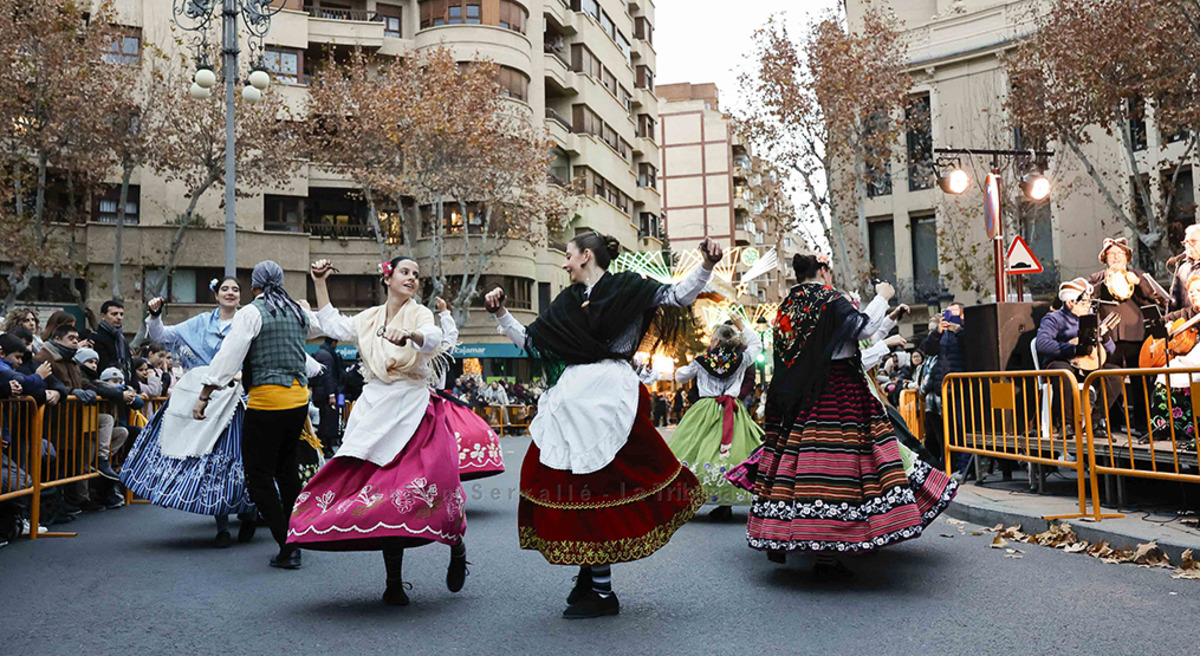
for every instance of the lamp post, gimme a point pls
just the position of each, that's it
(197, 16)
(1033, 184)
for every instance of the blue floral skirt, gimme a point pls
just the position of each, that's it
(212, 484)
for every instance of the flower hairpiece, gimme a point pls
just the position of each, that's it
(823, 258)
(385, 268)
(213, 284)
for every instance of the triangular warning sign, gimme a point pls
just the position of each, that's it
(1020, 258)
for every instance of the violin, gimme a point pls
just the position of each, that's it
(1182, 335)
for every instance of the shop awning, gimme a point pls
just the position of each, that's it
(489, 350)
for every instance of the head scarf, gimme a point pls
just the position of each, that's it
(268, 276)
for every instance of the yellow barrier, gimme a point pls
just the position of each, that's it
(20, 452)
(1006, 414)
(1163, 453)
(912, 409)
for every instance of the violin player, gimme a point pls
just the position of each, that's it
(1188, 262)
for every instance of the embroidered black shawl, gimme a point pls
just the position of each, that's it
(722, 362)
(812, 321)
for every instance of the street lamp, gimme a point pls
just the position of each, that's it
(955, 181)
(198, 16)
(1035, 186)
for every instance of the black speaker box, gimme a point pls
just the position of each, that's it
(998, 335)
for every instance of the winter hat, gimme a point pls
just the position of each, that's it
(1121, 243)
(113, 375)
(85, 354)
(1071, 290)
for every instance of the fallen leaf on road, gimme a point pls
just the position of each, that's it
(1078, 547)
(955, 522)
(947, 535)
(1058, 536)
(1013, 556)
(999, 542)
(1151, 555)
(997, 528)
(976, 533)
(1014, 551)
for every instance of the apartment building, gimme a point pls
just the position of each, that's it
(707, 182)
(584, 69)
(922, 237)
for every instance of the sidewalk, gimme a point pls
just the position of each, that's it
(1009, 504)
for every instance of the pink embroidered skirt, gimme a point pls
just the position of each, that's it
(352, 504)
(479, 454)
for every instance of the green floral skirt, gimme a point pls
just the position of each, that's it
(1179, 413)
(697, 444)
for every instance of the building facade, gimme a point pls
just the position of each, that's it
(935, 245)
(584, 69)
(708, 181)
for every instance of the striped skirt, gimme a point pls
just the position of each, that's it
(837, 481)
(212, 484)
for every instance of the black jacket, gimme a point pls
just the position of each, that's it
(106, 347)
(330, 382)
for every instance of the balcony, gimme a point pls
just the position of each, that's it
(339, 231)
(564, 81)
(356, 27)
(559, 13)
(561, 132)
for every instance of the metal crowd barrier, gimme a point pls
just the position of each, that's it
(21, 451)
(912, 409)
(153, 405)
(1017, 415)
(1140, 449)
(500, 417)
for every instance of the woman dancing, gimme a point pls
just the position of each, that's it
(831, 478)
(206, 479)
(394, 483)
(598, 485)
(717, 433)
(479, 454)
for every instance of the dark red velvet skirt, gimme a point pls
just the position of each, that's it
(624, 512)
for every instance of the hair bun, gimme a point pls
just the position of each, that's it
(611, 245)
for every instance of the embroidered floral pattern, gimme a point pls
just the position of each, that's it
(798, 316)
(324, 500)
(721, 362)
(1179, 410)
(301, 499)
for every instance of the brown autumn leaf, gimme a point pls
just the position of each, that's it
(1151, 555)
(1078, 547)
(1058, 536)
(999, 542)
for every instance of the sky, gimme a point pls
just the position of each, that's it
(707, 40)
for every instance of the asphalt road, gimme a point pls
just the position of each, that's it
(144, 580)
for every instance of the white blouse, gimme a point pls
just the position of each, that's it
(711, 386)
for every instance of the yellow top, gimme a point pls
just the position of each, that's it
(278, 397)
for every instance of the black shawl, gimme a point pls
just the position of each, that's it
(722, 362)
(812, 321)
(580, 329)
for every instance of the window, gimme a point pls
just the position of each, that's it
(625, 97)
(452, 219)
(1037, 228)
(282, 213)
(583, 61)
(920, 143)
(878, 161)
(107, 204)
(609, 81)
(544, 298)
(512, 16)
(390, 16)
(643, 30)
(349, 291)
(650, 226)
(645, 78)
(519, 291)
(626, 49)
(647, 175)
(126, 48)
(645, 126)
(560, 167)
(1137, 122)
(601, 188)
(590, 7)
(585, 121)
(335, 212)
(514, 82)
(284, 63)
(883, 248)
(927, 284)
(606, 24)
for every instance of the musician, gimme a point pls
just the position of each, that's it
(1179, 410)
(1189, 263)
(1123, 291)
(1058, 342)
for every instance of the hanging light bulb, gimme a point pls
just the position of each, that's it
(259, 77)
(954, 181)
(1035, 186)
(198, 92)
(251, 94)
(205, 77)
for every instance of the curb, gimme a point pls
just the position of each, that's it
(987, 513)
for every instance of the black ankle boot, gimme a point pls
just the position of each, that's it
(593, 605)
(456, 573)
(395, 594)
(287, 559)
(721, 514)
(779, 557)
(583, 585)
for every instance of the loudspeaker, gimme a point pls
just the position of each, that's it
(998, 335)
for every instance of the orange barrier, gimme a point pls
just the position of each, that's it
(20, 452)
(1165, 452)
(70, 427)
(500, 417)
(912, 408)
(1018, 415)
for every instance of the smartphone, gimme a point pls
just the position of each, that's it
(949, 317)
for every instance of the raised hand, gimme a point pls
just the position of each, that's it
(712, 252)
(493, 301)
(156, 304)
(321, 269)
(441, 305)
(884, 288)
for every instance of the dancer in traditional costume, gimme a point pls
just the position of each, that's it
(717, 433)
(191, 466)
(599, 485)
(832, 478)
(394, 482)
(479, 454)
(265, 343)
